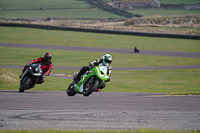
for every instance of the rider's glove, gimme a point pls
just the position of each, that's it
(108, 80)
(45, 75)
(27, 65)
(91, 64)
(95, 62)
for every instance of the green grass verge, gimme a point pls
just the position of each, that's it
(70, 38)
(157, 81)
(194, 93)
(95, 131)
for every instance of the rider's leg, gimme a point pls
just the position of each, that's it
(41, 80)
(81, 72)
(103, 85)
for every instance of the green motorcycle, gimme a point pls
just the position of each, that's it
(89, 82)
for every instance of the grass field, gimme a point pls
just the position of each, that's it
(74, 13)
(91, 13)
(78, 13)
(44, 4)
(157, 81)
(73, 58)
(70, 38)
(37, 4)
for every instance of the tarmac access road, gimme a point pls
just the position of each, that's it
(104, 110)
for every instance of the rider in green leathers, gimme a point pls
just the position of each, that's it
(106, 60)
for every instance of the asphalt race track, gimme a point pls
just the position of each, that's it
(101, 110)
(104, 110)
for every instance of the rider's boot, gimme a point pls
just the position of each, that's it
(41, 80)
(75, 77)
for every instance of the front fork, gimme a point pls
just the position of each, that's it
(23, 75)
(90, 81)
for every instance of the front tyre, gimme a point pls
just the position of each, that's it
(91, 89)
(70, 90)
(25, 84)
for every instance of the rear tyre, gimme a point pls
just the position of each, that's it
(25, 84)
(92, 88)
(70, 90)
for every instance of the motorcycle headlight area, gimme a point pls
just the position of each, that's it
(103, 70)
(102, 73)
(37, 74)
(36, 70)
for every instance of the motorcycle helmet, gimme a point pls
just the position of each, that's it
(47, 57)
(107, 58)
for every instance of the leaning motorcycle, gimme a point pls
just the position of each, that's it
(89, 82)
(30, 77)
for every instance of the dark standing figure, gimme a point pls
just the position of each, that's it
(136, 50)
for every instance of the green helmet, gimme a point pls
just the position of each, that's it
(107, 58)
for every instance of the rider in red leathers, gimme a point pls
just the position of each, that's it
(46, 66)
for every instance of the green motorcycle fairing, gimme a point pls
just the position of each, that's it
(99, 72)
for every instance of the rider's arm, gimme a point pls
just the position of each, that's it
(34, 61)
(94, 63)
(109, 73)
(49, 70)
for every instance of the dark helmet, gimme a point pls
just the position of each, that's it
(47, 57)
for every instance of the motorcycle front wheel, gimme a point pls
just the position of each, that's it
(25, 84)
(91, 89)
(70, 90)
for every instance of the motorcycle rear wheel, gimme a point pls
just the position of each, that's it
(92, 88)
